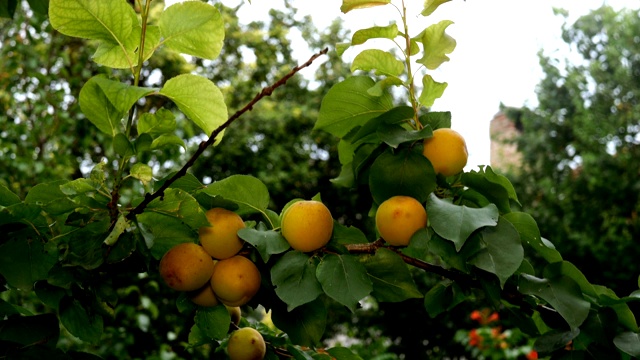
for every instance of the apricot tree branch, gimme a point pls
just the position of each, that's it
(267, 91)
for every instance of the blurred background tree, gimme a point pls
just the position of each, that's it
(580, 171)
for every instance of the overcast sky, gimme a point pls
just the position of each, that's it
(495, 60)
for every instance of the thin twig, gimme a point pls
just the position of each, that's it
(267, 91)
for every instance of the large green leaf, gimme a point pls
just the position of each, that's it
(348, 104)
(84, 323)
(431, 90)
(193, 28)
(403, 172)
(344, 279)
(213, 321)
(294, 276)
(562, 293)
(162, 232)
(436, 44)
(457, 222)
(530, 234)
(113, 22)
(96, 106)
(161, 122)
(24, 261)
(266, 241)
(181, 205)
(495, 187)
(7, 197)
(199, 99)
(502, 251)
(122, 96)
(392, 281)
(629, 342)
(431, 5)
(248, 192)
(305, 324)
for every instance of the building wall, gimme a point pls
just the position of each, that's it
(504, 155)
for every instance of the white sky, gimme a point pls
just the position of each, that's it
(495, 60)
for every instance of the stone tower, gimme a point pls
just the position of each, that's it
(504, 156)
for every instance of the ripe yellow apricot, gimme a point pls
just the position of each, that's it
(307, 225)
(447, 151)
(204, 296)
(186, 267)
(235, 280)
(236, 314)
(398, 218)
(246, 344)
(221, 239)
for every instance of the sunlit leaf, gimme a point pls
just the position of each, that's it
(193, 28)
(142, 172)
(163, 121)
(382, 62)
(348, 5)
(436, 44)
(247, 191)
(431, 5)
(348, 104)
(267, 242)
(431, 90)
(96, 106)
(199, 99)
(385, 32)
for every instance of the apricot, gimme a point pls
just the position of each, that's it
(236, 314)
(204, 296)
(398, 218)
(447, 151)
(246, 344)
(186, 267)
(235, 280)
(221, 239)
(307, 225)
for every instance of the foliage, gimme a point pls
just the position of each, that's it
(580, 147)
(75, 244)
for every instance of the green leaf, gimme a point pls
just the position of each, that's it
(382, 62)
(457, 222)
(370, 133)
(142, 172)
(181, 205)
(394, 135)
(268, 242)
(381, 86)
(502, 252)
(347, 234)
(305, 324)
(7, 197)
(162, 232)
(79, 186)
(162, 122)
(565, 268)
(530, 234)
(443, 297)
(344, 279)
(193, 28)
(431, 5)
(431, 90)
(343, 353)
(8, 8)
(213, 321)
(348, 5)
(495, 187)
(436, 44)
(562, 293)
(385, 32)
(122, 96)
(624, 314)
(404, 172)
(96, 106)
(122, 146)
(248, 192)
(348, 104)
(294, 276)
(166, 140)
(555, 339)
(199, 99)
(23, 262)
(436, 119)
(80, 321)
(390, 276)
(628, 342)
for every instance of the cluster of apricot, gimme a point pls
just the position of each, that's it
(213, 272)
